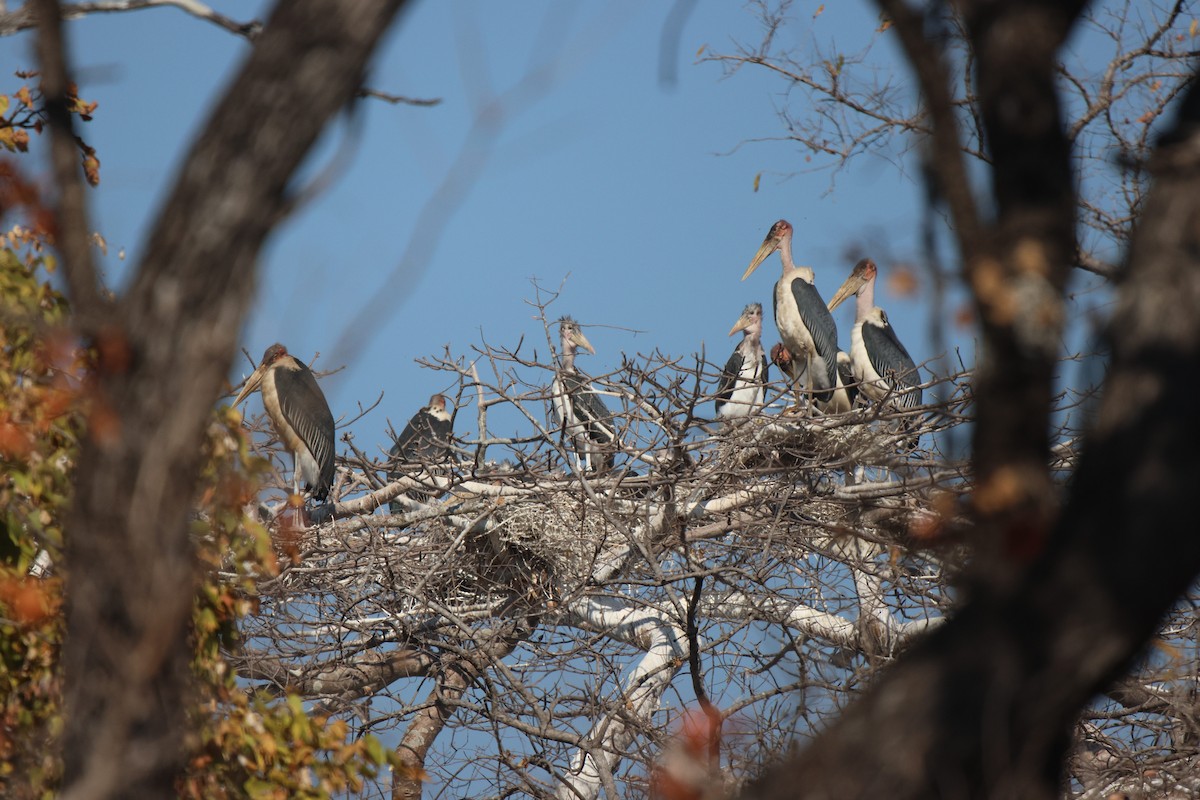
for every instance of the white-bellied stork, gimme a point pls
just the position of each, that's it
(424, 443)
(743, 381)
(584, 417)
(300, 415)
(881, 364)
(803, 320)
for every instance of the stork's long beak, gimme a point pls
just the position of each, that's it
(743, 322)
(581, 341)
(769, 245)
(849, 287)
(251, 384)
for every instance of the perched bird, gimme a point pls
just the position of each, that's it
(847, 383)
(846, 392)
(585, 418)
(425, 442)
(782, 358)
(742, 383)
(299, 414)
(881, 364)
(803, 320)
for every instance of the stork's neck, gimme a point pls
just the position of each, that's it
(752, 337)
(751, 347)
(785, 254)
(568, 357)
(865, 300)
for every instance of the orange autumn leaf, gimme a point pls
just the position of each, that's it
(28, 601)
(14, 442)
(903, 281)
(931, 525)
(964, 317)
(291, 523)
(55, 403)
(91, 169)
(691, 760)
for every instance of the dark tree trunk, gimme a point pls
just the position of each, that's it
(1018, 270)
(165, 352)
(985, 706)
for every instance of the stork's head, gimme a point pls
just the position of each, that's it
(750, 321)
(863, 273)
(272, 354)
(781, 357)
(437, 408)
(780, 234)
(571, 337)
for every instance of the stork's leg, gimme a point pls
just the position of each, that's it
(798, 391)
(808, 380)
(583, 461)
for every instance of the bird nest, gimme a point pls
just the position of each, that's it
(565, 531)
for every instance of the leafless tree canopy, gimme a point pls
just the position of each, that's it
(546, 611)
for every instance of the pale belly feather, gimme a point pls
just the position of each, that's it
(795, 335)
(304, 463)
(792, 330)
(870, 383)
(749, 394)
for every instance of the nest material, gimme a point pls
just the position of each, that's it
(565, 532)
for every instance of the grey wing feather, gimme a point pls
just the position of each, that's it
(424, 438)
(766, 371)
(304, 407)
(823, 330)
(404, 441)
(589, 408)
(846, 373)
(733, 368)
(892, 362)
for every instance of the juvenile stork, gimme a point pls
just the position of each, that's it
(846, 392)
(584, 417)
(424, 442)
(884, 369)
(299, 414)
(803, 320)
(744, 378)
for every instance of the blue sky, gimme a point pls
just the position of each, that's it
(640, 194)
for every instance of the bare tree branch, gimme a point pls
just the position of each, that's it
(23, 18)
(74, 237)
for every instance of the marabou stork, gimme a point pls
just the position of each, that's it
(743, 380)
(846, 393)
(581, 410)
(803, 320)
(299, 414)
(883, 367)
(425, 442)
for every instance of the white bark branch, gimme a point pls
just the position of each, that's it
(665, 646)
